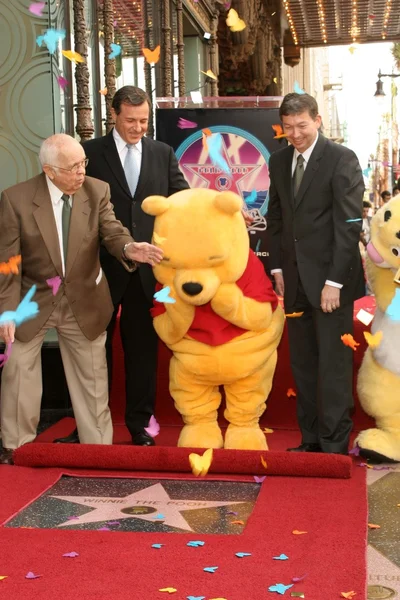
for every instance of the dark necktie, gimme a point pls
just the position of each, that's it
(298, 174)
(66, 218)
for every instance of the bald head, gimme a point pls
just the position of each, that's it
(62, 159)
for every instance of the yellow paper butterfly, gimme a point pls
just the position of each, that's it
(201, 464)
(209, 74)
(264, 462)
(73, 56)
(373, 339)
(234, 22)
(104, 91)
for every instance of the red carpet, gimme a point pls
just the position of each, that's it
(281, 410)
(122, 566)
(172, 459)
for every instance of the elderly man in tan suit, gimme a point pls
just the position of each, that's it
(56, 221)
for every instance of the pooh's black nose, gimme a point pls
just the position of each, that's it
(398, 235)
(192, 289)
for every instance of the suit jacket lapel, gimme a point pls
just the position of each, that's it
(144, 168)
(287, 174)
(78, 226)
(112, 157)
(311, 170)
(43, 214)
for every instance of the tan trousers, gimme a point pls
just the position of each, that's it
(86, 373)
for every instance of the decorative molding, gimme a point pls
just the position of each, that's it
(180, 48)
(147, 67)
(166, 55)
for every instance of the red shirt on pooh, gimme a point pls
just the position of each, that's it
(211, 329)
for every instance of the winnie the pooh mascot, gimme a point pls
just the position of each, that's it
(225, 324)
(379, 376)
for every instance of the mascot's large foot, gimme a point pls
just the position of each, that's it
(202, 435)
(245, 438)
(379, 445)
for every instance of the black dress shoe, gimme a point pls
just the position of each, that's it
(72, 438)
(142, 439)
(306, 448)
(6, 457)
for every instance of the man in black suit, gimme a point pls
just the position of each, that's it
(314, 222)
(135, 167)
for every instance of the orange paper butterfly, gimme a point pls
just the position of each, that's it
(152, 56)
(11, 266)
(278, 132)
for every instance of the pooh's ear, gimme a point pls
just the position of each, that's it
(228, 202)
(155, 205)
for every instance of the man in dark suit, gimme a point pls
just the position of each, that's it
(313, 224)
(135, 167)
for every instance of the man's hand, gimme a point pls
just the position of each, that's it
(142, 252)
(330, 298)
(7, 332)
(279, 284)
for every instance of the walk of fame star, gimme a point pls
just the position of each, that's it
(146, 504)
(209, 173)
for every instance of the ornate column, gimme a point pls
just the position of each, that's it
(109, 63)
(166, 48)
(180, 47)
(214, 52)
(147, 67)
(84, 125)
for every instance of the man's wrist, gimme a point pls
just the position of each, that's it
(124, 249)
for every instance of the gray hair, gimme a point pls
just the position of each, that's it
(52, 147)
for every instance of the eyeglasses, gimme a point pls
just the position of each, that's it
(74, 168)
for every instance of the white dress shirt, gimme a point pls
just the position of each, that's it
(57, 204)
(306, 155)
(123, 149)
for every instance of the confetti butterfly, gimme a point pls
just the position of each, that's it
(373, 339)
(264, 462)
(73, 56)
(11, 266)
(163, 296)
(297, 89)
(251, 198)
(169, 590)
(259, 479)
(186, 124)
(234, 22)
(51, 38)
(158, 239)
(54, 283)
(26, 310)
(215, 143)
(209, 74)
(103, 92)
(278, 130)
(201, 464)
(115, 51)
(280, 588)
(349, 341)
(294, 315)
(7, 353)
(242, 554)
(291, 393)
(151, 56)
(62, 82)
(36, 8)
(153, 428)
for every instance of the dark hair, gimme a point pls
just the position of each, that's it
(385, 194)
(295, 104)
(367, 204)
(129, 94)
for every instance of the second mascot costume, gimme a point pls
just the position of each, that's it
(225, 324)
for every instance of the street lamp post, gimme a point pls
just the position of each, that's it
(379, 93)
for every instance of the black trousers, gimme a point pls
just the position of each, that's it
(322, 367)
(139, 341)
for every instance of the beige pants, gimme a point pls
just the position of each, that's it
(85, 369)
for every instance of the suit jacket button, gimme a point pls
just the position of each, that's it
(133, 225)
(296, 240)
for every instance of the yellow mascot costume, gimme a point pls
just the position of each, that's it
(379, 376)
(218, 314)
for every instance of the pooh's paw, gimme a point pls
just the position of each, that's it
(383, 443)
(202, 435)
(245, 438)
